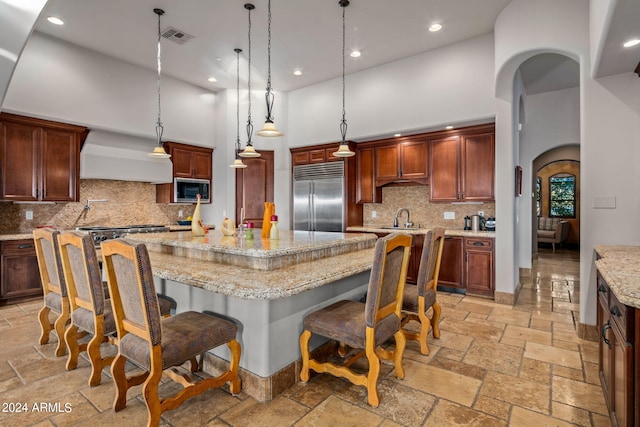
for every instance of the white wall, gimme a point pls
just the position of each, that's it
(61, 81)
(448, 85)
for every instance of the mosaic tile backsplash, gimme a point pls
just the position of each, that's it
(423, 213)
(128, 203)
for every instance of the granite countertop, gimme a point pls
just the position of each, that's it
(422, 230)
(16, 236)
(620, 268)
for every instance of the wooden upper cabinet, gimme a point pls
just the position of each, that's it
(366, 190)
(314, 154)
(462, 166)
(401, 161)
(190, 161)
(40, 159)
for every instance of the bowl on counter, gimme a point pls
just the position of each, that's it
(184, 222)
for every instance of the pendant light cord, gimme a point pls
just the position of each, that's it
(159, 127)
(343, 122)
(238, 102)
(269, 47)
(249, 122)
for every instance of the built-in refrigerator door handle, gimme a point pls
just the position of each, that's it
(312, 213)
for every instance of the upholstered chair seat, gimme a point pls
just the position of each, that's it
(159, 345)
(365, 327)
(420, 298)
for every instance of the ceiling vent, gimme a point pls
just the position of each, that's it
(176, 35)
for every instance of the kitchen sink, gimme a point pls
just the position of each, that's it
(400, 228)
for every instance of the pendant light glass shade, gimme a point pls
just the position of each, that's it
(269, 130)
(249, 151)
(158, 152)
(343, 150)
(237, 162)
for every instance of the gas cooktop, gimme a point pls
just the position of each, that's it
(101, 233)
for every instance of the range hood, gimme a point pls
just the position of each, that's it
(110, 155)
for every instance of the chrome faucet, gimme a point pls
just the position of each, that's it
(406, 224)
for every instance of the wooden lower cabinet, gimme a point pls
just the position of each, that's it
(467, 265)
(19, 274)
(619, 336)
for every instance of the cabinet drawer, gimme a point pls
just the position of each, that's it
(603, 291)
(18, 247)
(619, 315)
(476, 242)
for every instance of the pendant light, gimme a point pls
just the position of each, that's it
(343, 150)
(237, 163)
(158, 152)
(269, 130)
(249, 151)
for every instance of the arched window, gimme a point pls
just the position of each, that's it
(562, 195)
(539, 196)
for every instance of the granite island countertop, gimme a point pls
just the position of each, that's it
(620, 267)
(421, 230)
(262, 268)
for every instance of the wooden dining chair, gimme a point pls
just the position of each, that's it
(419, 298)
(157, 344)
(365, 326)
(53, 287)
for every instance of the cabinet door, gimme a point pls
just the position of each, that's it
(254, 186)
(413, 161)
(444, 185)
(479, 271)
(417, 243)
(201, 165)
(387, 164)
(181, 159)
(478, 165)
(20, 161)
(60, 165)
(451, 263)
(366, 191)
(605, 359)
(19, 274)
(622, 378)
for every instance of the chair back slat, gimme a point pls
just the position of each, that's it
(82, 271)
(388, 274)
(430, 261)
(48, 254)
(132, 289)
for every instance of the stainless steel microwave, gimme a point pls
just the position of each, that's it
(186, 190)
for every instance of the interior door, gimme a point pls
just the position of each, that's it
(254, 186)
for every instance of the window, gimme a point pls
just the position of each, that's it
(562, 196)
(539, 196)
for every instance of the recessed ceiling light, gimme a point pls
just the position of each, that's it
(397, 134)
(54, 20)
(218, 58)
(297, 73)
(631, 43)
(435, 27)
(355, 54)
(449, 127)
(212, 80)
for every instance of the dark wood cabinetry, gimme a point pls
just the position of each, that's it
(19, 274)
(468, 265)
(462, 165)
(366, 190)
(404, 160)
(188, 161)
(40, 159)
(618, 325)
(317, 154)
(417, 243)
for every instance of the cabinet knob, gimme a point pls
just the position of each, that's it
(27, 246)
(602, 288)
(615, 311)
(478, 243)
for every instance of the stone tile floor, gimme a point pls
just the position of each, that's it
(494, 365)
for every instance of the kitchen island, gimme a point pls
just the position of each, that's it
(265, 286)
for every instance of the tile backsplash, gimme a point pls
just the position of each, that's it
(423, 213)
(127, 203)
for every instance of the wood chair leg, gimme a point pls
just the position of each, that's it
(435, 320)
(45, 325)
(121, 382)
(93, 351)
(60, 326)
(304, 351)
(71, 338)
(401, 343)
(234, 365)
(374, 371)
(150, 392)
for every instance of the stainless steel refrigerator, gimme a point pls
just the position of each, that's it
(318, 197)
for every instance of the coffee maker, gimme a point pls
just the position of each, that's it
(490, 224)
(467, 222)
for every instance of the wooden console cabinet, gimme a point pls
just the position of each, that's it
(619, 360)
(19, 274)
(468, 265)
(40, 159)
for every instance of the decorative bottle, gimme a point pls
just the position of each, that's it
(249, 231)
(274, 234)
(197, 228)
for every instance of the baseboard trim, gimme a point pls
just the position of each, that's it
(588, 332)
